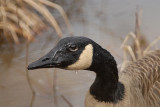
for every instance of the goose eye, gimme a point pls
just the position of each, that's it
(73, 48)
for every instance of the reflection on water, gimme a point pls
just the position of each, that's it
(105, 21)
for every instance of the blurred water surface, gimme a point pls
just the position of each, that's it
(105, 21)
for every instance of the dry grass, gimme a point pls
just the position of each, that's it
(19, 18)
(139, 47)
(28, 77)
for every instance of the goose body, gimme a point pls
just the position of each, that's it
(138, 85)
(141, 80)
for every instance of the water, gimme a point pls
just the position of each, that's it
(105, 21)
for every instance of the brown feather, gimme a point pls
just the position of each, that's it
(142, 84)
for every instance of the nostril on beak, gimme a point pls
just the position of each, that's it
(45, 59)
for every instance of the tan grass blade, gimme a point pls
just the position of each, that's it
(151, 45)
(26, 31)
(10, 28)
(23, 30)
(30, 14)
(138, 23)
(124, 65)
(131, 34)
(139, 51)
(125, 60)
(21, 13)
(4, 20)
(2, 10)
(129, 49)
(41, 9)
(60, 9)
(13, 33)
(15, 19)
(37, 23)
(35, 18)
(124, 55)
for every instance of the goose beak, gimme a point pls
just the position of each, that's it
(46, 61)
(42, 64)
(39, 64)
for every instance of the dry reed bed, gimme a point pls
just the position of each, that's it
(139, 47)
(19, 18)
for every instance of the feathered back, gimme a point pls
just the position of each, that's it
(142, 81)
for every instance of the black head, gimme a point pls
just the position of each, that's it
(72, 53)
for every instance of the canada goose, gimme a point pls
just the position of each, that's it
(138, 85)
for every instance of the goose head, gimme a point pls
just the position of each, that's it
(71, 53)
(77, 53)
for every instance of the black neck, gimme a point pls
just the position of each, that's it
(106, 86)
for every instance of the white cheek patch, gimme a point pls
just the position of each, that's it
(85, 59)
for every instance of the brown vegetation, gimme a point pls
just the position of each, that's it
(23, 18)
(139, 47)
